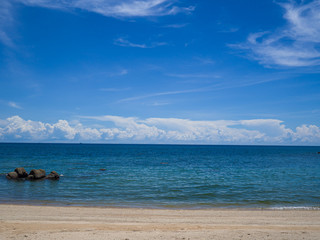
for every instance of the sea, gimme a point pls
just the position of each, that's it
(164, 176)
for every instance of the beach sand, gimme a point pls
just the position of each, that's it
(46, 222)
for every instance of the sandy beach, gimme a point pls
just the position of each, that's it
(46, 222)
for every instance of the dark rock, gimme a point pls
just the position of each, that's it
(30, 177)
(38, 173)
(53, 175)
(12, 175)
(22, 173)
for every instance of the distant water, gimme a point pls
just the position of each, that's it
(164, 176)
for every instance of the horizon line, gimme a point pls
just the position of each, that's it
(181, 144)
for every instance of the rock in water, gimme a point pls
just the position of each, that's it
(53, 175)
(22, 173)
(12, 175)
(38, 173)
(30, 177)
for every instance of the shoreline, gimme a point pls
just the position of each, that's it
(158, 207)
(74, 222)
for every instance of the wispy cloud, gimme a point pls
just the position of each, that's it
(10, 104)
(186, 75)
(126, 43)
(121, 72)
(294, 45)
(219, 85)
(178, 25)
(6, 21)
(159, 130)
(204, 60)
(156, 104)
(230, 30)
(124, 8)
(5, 39)
(161, 94)
(14, 105)
(114, 89)
(117, 9)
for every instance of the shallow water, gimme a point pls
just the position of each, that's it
(164, 176)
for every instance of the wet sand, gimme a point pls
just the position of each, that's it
(46, 222)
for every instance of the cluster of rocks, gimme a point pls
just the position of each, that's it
(35, 174)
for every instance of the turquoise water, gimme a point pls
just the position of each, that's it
(164, 176)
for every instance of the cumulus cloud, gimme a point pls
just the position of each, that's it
(306, 133)
(294, 45)
(159, 130)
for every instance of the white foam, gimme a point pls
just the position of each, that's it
(296, 208)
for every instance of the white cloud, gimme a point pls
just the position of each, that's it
(273, 129)
(6, 20)
(159, 130)
(295, 45)
(27, 130)
(156, 104)
(126, 43)
(115, 8)
(89, 134)
(123, 72)
(114, 89)
(162, 94)
(5, 39)
(14, 105)
(62, 129)
(204, 60)
(230, 30)
(179, 25)
(108, 8)
(306, 133)
(186, 75)
(10, 104)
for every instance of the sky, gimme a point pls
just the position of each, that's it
(160, 71)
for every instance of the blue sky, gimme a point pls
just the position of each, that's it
(160, 71)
